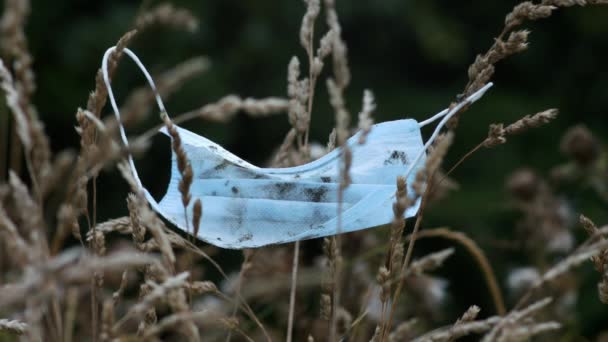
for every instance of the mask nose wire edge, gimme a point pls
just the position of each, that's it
(447, 115)
(106, 80)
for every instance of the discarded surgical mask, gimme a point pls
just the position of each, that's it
(246, 206)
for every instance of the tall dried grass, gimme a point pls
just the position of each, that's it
(149, 284)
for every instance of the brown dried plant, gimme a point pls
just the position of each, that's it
(133, 278)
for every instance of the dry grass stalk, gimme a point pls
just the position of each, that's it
(526, 332)
(299, 93)
(600, 261)
(13, 100)
(97, 98)
(107, 322)
(498, 133)
(157, 228)
(404, 331)
(197, 213)
(29, 130)
(113, 262)
(572, 261)
(469, 315)
(15, 52)
(89, 133)
(71, 306)
(14, 44)
(40, 284)
(423, 176)
(120, 225)
(292, 292)
(121, 289)
(436, 155)
(402, 202)
(336, 87)
(206, 318)
(29, 217)
(246, 265)
(477, 253)
(376, 337)
(53, 274)
(365, 116)
(482, 70)
(183, 165)
(338, 46)
(175, 240)
(331, 264)
(514, 320)
(143, 219)
(454, 332)
(18, 249)
(138, 231)
(166, 14)
(140, 101)
(395, 248)
(157, 294)
(202, 287)
(227, 108)
(430, 262)
(465, 325)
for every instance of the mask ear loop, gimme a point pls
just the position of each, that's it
(433, 118)
(106, 80)
(447, 115)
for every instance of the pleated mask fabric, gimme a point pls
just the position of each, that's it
(245, 206)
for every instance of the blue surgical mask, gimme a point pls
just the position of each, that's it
(247, 206)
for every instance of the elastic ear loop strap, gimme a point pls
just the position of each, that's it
(447, 115)
(106, 80)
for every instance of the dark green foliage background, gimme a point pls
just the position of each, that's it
(413, 55)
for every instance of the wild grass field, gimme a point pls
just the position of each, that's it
(510, 240)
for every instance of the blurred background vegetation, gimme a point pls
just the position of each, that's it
(412, 54)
